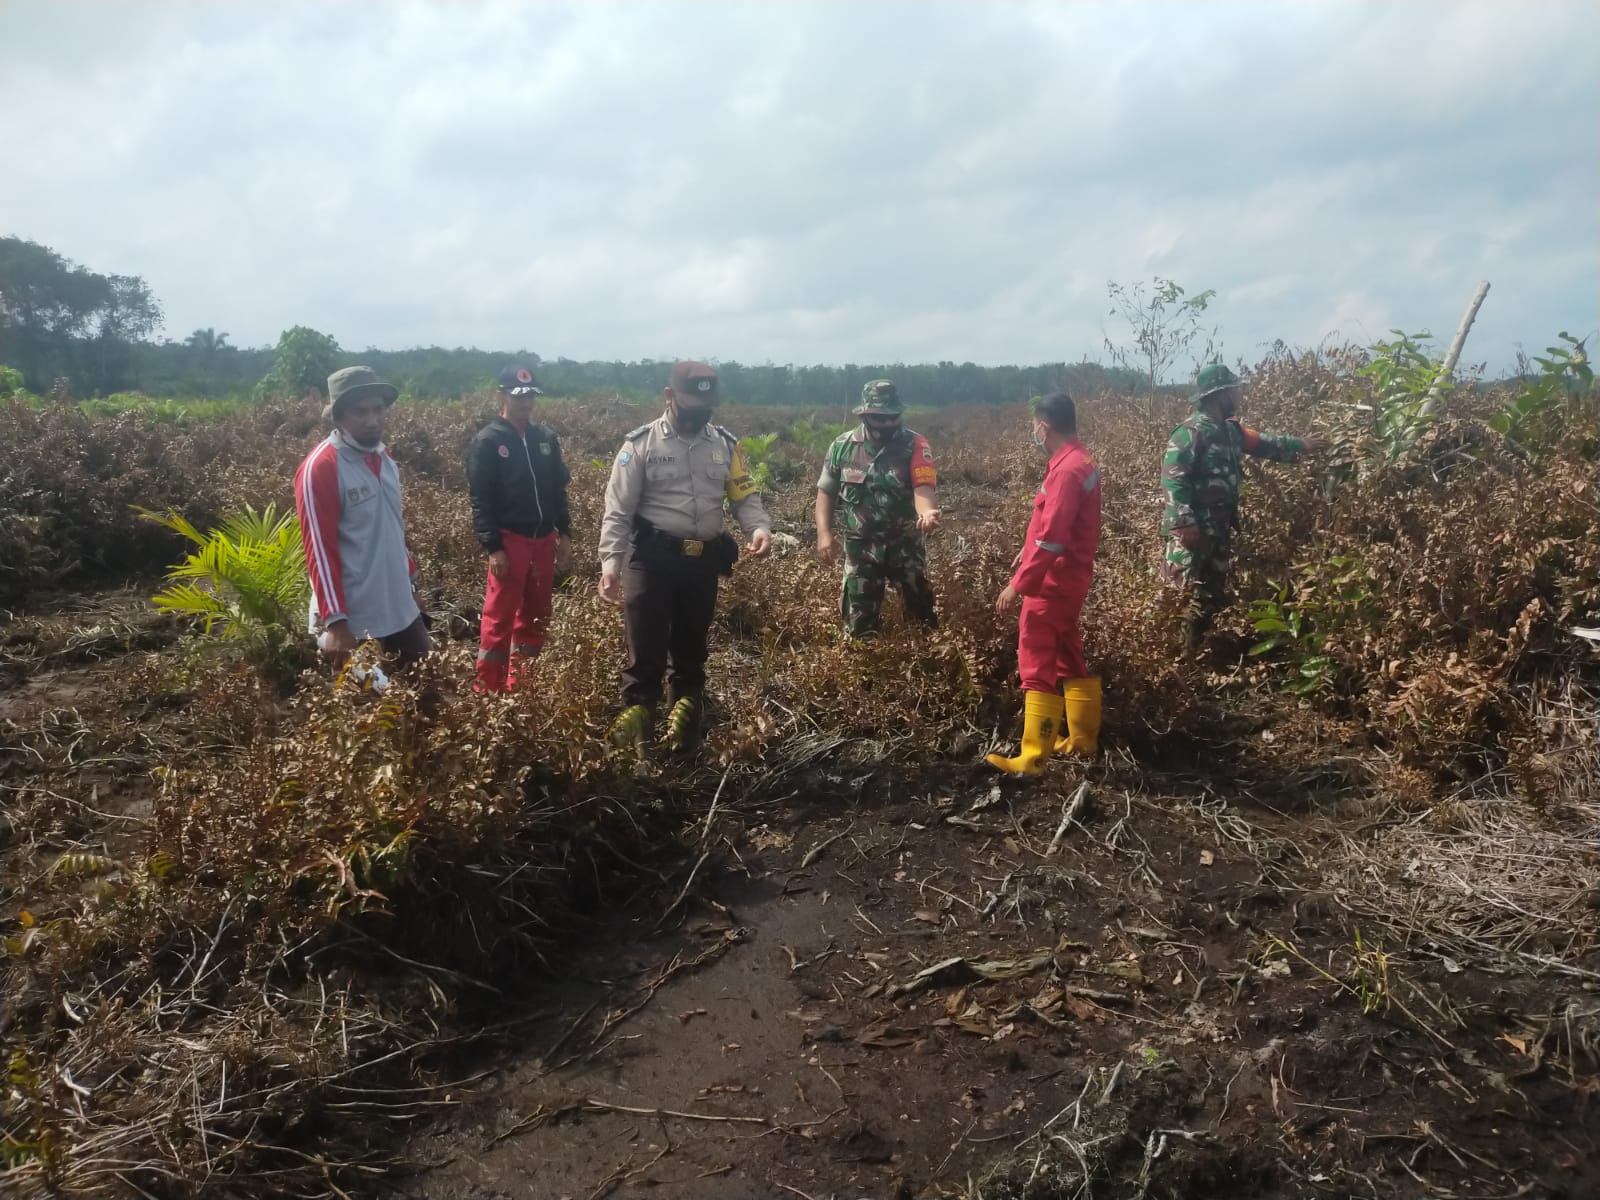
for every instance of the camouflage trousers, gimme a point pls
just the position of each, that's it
(1201, 582)
(869, 566)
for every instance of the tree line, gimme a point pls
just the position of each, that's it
(62, 320)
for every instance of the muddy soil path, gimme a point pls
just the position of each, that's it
(909, 995)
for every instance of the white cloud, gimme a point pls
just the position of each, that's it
(820, 182)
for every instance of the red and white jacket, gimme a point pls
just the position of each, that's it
(1064, 531)
(353, 529)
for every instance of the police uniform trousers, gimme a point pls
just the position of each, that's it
(669, 600)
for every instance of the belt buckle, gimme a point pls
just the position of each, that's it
(693, 548)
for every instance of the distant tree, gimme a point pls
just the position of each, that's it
(204, 348)
(46, 305)
(305, 359)
(129, 316)
(1163, 323)
(207, 344)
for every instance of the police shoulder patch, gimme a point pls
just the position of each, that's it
(505, 450)
(624, 457)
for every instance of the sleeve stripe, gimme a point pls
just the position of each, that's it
(1051, 547)
(327, 586)
(321, 553)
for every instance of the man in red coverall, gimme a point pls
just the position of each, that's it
(1052, 578)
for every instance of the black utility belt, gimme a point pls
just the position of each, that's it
(721, 551)
(688, 547)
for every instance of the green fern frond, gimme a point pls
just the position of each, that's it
(245, 579)
(173, 521)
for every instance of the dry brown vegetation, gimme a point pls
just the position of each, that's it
(246, 930)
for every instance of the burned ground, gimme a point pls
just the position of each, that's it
(904, 992)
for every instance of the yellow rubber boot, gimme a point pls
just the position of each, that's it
(1040, 722)
(1082, 726)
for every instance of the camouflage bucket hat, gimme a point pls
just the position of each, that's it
(352, 383)
(1213, 378)
(879, 398)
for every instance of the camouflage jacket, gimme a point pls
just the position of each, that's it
(1203, 468)
(874, 484)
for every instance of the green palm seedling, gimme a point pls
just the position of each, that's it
(246, 580)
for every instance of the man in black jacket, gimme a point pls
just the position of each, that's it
(519, 513)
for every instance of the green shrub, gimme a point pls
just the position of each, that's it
(1560, 396)
(246, 581)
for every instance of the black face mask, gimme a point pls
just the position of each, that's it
(691, 420)
(882, 433)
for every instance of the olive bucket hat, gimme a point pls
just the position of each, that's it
(1213, 378)
(352, 383)
(879, 398)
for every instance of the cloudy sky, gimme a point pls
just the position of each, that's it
(813, 181)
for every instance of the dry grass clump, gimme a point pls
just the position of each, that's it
(70, 483)
(1503, 869)
(279, 950)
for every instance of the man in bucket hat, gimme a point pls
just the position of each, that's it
(1201, 474)
(352, 526)
(883, 478)
(518, 487)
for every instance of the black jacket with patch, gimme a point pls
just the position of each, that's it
(517, 482)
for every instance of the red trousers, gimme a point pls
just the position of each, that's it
(1049, 642)
(516, 609)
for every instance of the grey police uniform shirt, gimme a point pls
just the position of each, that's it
(676, 483)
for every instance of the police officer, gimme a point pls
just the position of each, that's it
(663, 548)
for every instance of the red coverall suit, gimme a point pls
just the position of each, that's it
(1057, 566)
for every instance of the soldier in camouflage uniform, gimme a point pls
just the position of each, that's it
(883, 478)
(1201, 474)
